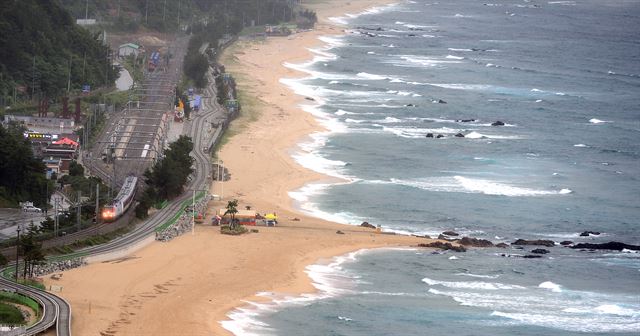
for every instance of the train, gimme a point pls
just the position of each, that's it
(121, 203)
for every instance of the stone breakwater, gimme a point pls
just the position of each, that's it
(58, 266)
(184, 222)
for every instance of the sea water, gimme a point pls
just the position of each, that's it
(564, 77)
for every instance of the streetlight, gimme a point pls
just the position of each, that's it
(221, 175)
(193, 210)
(17, 250)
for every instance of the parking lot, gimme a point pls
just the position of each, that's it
(10, 219)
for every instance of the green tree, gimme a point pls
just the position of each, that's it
(232, 210)
(76, 169)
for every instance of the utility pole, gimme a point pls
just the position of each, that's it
(79, 209)
(86, 11)
(17, 252)
(164, 10)
(146, 11)
(97, 200)
(179, 5)
(55, 221)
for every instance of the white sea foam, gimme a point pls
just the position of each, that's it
(471, 285)
(459, 49)
(480, 275)
(330, 280)
(551, 286)
(344, 20)
(423, 61)
(580, 145)
(597, 121)
(470, 185)
(454, 57)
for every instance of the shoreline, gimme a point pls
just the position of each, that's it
(209, 275)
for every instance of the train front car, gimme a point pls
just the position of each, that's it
(122, 201)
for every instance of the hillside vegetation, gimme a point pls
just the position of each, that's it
(41, 46)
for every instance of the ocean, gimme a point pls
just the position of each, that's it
(564, 79)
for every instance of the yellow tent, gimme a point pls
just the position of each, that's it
(271, 216)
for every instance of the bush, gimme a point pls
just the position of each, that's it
(226, 229)
(10, 315)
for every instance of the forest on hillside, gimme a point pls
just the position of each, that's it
(43, 51)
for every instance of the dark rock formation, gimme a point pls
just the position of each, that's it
(366, 224)
(450, 233)
(588, 233)
(502, 245)
(440, 136)
(440, 101)
(429, 135)
(532, 256)
(466, 241)
(445, 246)
(459, 135)
(540, 242)
(497, 123)
(309, 98)
(566, 242)
(465, 120)
(618, 246)
(540, 251)
(339, 232)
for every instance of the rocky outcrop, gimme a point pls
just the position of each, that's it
(445, 246)
(440, 136)
(465, 120)
(459, 135)
(566, 243)
(366, 224)
(502, 245)
(617, 246)
(589, 233)
(429, 135)
(540, 251)
(466, 241)
(450, 233)
(497, 123)
(539, 242)
(532, 256)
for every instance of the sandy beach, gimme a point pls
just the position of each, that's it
(189, 285)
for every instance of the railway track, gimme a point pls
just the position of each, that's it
(57, 311)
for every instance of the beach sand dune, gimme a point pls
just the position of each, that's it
(186, 286)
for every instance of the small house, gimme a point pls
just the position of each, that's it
(129, 49)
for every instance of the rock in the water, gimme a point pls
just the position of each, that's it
(588, 233)
(450, 233)
(540, 251)
(618, 246)
(459, 135)
(502, 245)
(366, 224)
(465, 120)
(429, 135)
(440, 101)
(541, 242)
(466, 241)
(497, 123)
(445, 246)
(566, 242)
(440, 136)
(532, 256)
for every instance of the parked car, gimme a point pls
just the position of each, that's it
(31, 208)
